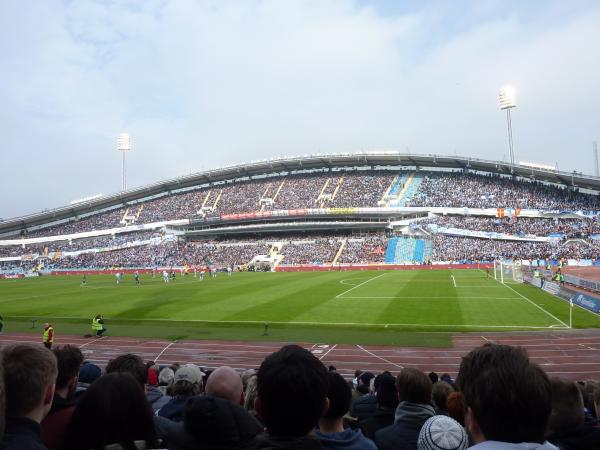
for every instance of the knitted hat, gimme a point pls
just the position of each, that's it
(442, 433)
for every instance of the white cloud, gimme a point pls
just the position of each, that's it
(203, 83)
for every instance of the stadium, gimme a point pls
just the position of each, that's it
(324, 225)
(342, 248)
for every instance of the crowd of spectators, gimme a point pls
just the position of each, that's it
(77, 245)
(309, 250)
(368, 249)
(450, 248)
(500, 399)
(520, 225)
(354, 189)
(319, 251)
(460, 190)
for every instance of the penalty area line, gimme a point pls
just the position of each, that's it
(359, 285)
(537, 306)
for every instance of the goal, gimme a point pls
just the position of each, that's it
(508, 271)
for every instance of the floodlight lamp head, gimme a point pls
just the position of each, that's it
(507, 97)
(124, 142)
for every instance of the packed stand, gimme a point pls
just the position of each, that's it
(369, 249)
(455, 189)
(520, 226)
(319, 251)
(449, 248)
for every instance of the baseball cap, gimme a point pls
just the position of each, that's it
(190, 373)
(442, 433)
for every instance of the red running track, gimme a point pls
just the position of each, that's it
(569, 354)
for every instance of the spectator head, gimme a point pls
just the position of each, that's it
(508, 398)
(362, 389)
(597, 400)
(29, 379)
(89, 372)
(166, 377)
(456, 407)
(442, 433)
(292, 391)
(332, 369)
(365, 378)
(387, 394)
(588, 390)
(433, 377)
(567, 407)
(2, 403)
(131, 364)
(250, 394)
(216, 423)
(439, 395)
(187, 380)
(339, 395)
(68, 359)
(114, 410)
(226, 383)
(413, 386)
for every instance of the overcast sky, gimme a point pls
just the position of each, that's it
(200, 84)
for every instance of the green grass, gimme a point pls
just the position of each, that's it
(411, 308)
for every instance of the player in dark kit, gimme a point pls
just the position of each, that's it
(136, 276)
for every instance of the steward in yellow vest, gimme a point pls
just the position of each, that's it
(48, 336)
(98, 325)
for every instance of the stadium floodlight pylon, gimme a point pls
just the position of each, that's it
(124, 145)
(505, 271)
(507, 101)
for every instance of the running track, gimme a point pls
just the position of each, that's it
(569, 354)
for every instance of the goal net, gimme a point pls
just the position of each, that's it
(508, 271)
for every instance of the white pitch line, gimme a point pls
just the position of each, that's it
(453, 280)
(359, 285)
(377, 356)
(327, 352)
(430, 298)
(163, 350)
(91, 342)
(536, 305)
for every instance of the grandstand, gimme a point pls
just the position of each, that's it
(414, 206)
(328, 212)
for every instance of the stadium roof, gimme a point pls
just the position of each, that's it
(292, 164)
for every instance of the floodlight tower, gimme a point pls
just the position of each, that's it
(124, 145)
(507, 101)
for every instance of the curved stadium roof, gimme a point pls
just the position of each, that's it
(274, 166)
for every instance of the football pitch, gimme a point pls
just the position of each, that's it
(405, 307)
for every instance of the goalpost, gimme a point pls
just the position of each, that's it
(508, 271)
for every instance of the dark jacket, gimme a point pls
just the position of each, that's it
(404, 433)
(56, 422)
(22, 434)
(364, 406)
(156, 398)
(381, 419)
(584, 438)
(210, 423)
(267, 442)
(346, 440)
(173, 409)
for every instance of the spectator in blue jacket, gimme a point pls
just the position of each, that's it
(331, 430)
